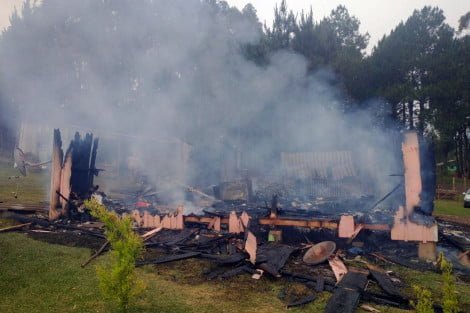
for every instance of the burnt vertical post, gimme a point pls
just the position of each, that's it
(92, 172)
(56, 172)
(65, 182)
(405, 227)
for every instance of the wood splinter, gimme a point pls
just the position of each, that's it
(97, 253)
(14, 227)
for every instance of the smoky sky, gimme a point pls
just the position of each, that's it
(377, 18)
(177, 69)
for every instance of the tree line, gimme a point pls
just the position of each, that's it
(421, 69)
(417, 77)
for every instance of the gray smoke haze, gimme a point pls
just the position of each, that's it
(176, 69)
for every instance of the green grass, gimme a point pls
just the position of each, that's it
(30, 189)
(40, 277)
(433, 282)
(36, 276)
(449, 207)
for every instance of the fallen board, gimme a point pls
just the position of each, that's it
(272, 257)
(343, 301)
(320, 284)
(346, 297)
(384, 281)
(237, 271)
(354, 279)
(228, 259)
(303, 301)
(169, 258)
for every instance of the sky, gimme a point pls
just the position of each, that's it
(378, 17)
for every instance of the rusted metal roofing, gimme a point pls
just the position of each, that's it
(329, 164)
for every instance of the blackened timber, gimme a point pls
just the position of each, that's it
(274, 257)
(343, 301)
(303, 301)
(384, 281)
(237, 271)
(96, 254)
(346, 297)
(56, 169)
(45, 223)
(328, 282)
(421, 266)
(320, 284)
(93, 172)
(169, 258)
(354, 279)
(230, 259)
(81, 149)
(269, 268)
(382, 299)
(215, 273)
(170, 238)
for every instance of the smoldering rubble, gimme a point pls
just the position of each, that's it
(213, 156)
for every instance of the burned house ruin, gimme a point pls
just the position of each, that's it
(321, 190)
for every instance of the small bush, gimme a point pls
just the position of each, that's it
(450, 302)
(118, 283)
(423, 302)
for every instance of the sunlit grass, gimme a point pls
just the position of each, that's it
(40, 277)
(28, 190)
(449, 207)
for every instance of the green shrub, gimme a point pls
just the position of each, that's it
(423, 302)
(450, 302)
(118, 282)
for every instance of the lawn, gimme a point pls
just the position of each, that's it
(16, 189)
(36, 276)
(39, 277)
(449, 207)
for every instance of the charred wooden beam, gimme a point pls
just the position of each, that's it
(238, 271)
(346, 297)
(65, 183)
(15, 227)
(223, 260)
(56, 170)
(320, 284)
(273, 257)
(169, 258)
(303, 301)
(328, 282)
(203, 219)
(384, 281)
(96, 254)
(330, 224)
(293, 222)
(93, 171)
(343, 300)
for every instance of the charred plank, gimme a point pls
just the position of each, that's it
(169, 258)
(343, 300)
(237, 271)
(384, 281)
(354, 279)
(303, 301)
(320, 284)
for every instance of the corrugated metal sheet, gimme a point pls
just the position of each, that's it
(329, 164)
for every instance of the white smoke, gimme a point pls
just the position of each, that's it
(176, 69)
